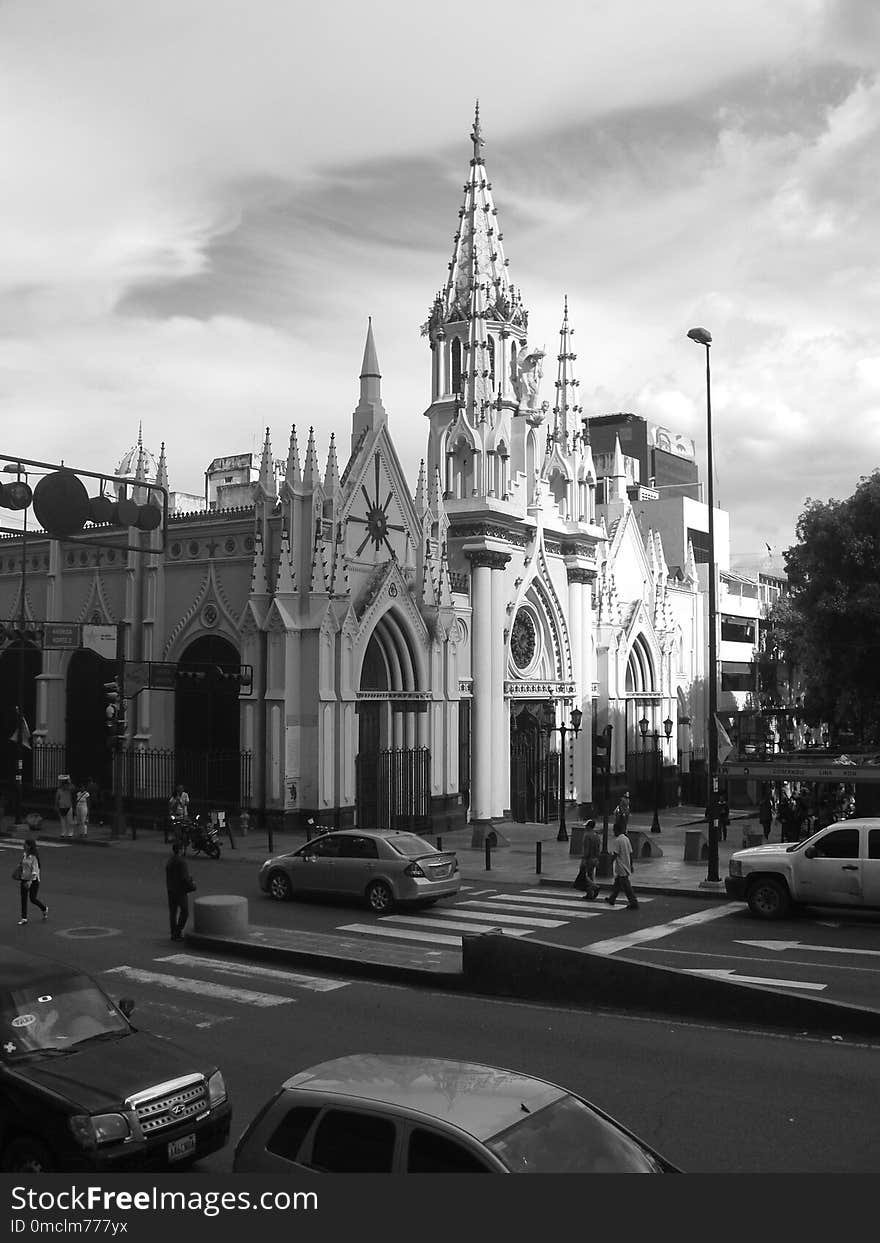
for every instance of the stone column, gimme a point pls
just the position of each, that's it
(580, 576)
(500, 715)
(483, 561)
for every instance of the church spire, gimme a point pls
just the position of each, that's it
(566, 412)
(267, 470)
(370, 412)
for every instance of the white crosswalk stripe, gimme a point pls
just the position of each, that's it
(555, 901)
(17, 843)
(201, 988)
(313, 983)
(405, 934)
(531, 920)
(489, 904)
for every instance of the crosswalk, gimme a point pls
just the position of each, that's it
(485, 910)
(203, 991)
(17, 844)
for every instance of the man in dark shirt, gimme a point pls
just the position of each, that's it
(179, 884)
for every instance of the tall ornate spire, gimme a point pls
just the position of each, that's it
(369, 412)
(267, 469)
(162, 470)
(311, 474)
(292, 476)
(566, 412)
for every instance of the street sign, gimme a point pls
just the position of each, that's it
(136, 677)
(61, 635)
(784, 770)
(100, 639)
(163, 675)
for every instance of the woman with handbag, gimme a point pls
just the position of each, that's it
(28, 875)
(179, 885)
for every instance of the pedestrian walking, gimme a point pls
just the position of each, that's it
(621, 850)
(64, 796)
(722, 808)
(178, 804)
(592, 848)
(82, 812)
(765, 814)
(621, 811)
(28, 872)
(179, 885)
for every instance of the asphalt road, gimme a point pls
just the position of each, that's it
(712, 1099)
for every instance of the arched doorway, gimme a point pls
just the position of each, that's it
(89, 754)
(392, 770)
(534, 769)
(11, 672)
(207, 722)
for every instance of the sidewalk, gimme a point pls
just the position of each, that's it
(513, 863)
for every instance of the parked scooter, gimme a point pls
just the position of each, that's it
(201, 836)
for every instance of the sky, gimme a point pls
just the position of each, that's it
(204, 200)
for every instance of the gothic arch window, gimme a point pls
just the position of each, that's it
(640, 669)
(456, 365)
(531, 466)
(559, 488)
(462, 469)
(491, 348)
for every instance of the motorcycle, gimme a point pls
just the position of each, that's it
(201, 836)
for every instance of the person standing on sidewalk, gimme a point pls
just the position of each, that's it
(765, 814)
(621, 851)
(29, 880)
(64, 804)
(82, 812)
(621, 811)
(592, 848)
(179, 885)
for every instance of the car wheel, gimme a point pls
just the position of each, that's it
(27, 1156)
(279, 887)
(769, 898)
(379, 897)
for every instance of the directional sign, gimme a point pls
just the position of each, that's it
(780, 946)
(136, 677)
(784, 770)
(722, 973)
(101, 639)
(61, 635)
(163, 675)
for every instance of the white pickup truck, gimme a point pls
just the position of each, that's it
(837, 866)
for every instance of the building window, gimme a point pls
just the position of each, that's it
(456, 366)
(738, 629)
(737, 676)
(700, 542)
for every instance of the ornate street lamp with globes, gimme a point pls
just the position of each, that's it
(550, 725)
(644, 723)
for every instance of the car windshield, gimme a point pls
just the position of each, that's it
(410, 846)
(567, 1137)
(56, 1015)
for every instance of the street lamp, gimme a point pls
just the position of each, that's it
(24, 499)
(655, 734)
(703, 337)
(549, 718)
(604, 869)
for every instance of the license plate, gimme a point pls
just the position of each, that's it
(182, 1147)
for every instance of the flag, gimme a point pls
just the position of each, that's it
(725, 746)
(25, 732)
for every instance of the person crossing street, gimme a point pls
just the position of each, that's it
(621, 850)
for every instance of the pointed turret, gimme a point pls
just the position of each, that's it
(566, 412)
(617, 479)
(370, 412)
(266, 482)
(331, 473)
(421, 497)
(311, 475)
(292, 476)
(162, 470)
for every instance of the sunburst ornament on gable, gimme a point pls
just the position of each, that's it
(376, 521)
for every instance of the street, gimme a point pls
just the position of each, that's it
(712, 1099)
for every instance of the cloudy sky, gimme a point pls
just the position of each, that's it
(204, 200)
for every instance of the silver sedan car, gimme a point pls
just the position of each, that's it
(381, 866)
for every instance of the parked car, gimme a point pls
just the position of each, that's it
(836, 866)
(377, 1114)
(81, 1089)
(384, 867)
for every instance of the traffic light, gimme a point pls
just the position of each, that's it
(63, 506)
(17, 495)
(602, 748)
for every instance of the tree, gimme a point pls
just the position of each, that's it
(829, 626)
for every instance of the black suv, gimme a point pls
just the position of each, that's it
(82, 1089)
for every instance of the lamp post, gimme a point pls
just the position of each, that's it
(549, 718)
(15, 468)
(703, 337)
(655, 734)
(604, 868)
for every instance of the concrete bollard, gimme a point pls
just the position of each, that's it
(220, 915)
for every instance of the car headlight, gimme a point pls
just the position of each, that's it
(90, 1130)
(735, 868)
(216, 1089)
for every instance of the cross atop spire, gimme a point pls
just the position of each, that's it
(476, 134)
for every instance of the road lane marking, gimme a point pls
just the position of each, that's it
(554, 903)
(489, 904)
(12, 843)
(639, 935)
(204, 988)
(463, 925)
(315, 983)
(534, 892)
(533, 920)
(407, 934)
(725, 973)
(805, 945)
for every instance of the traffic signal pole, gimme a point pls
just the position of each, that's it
(118, 829)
